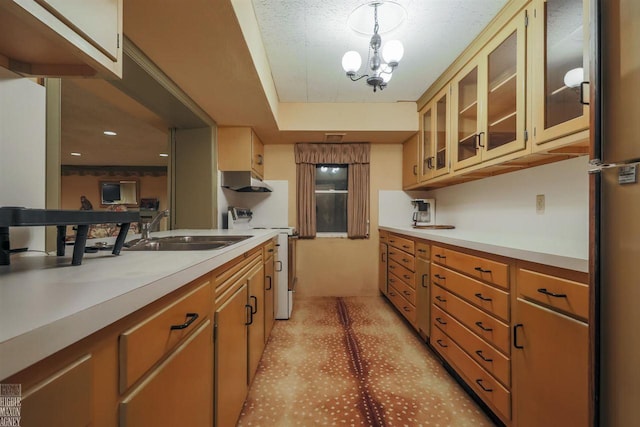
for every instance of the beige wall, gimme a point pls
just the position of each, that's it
(331, 266)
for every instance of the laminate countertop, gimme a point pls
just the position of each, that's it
(47, 304)
(556, 253)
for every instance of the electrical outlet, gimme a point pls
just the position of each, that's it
(540, 203)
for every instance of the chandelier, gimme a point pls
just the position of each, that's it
(379, 72)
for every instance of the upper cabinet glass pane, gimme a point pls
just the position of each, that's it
(441, 133)
(467, 115)
(426, 141)
(564, 46)
(502, 97)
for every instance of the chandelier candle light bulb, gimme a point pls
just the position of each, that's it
(381, 72)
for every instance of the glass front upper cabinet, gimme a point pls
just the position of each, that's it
(560, 69)
(435, 123)
(490, 99)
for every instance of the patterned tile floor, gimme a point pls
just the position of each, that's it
(352, 362)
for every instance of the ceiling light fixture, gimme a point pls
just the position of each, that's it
(164, 155)
(76, 154)
(380, 72)
(109, 133)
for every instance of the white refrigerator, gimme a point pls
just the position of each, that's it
(615, 231)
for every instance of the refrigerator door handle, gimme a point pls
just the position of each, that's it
(598, 165)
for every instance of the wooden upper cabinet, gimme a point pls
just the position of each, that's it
(489, 99)
(410, 162)
(62, 37)
(240, 149)
(560, 33)
(435, 124)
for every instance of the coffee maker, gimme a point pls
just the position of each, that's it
(424, 212)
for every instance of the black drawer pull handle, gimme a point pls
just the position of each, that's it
(406, 276)
(392, 280)
(405, 260)
(392, 267)
(439, 320)
(407, 293)
(270, 283)
(441, 344)
(424, 276)
(479, 353)
(270, 250)
(481, 270)
(422, 250)
(254, 309)
(405, 308)
(192, 318)
(479, 382)
(479, 295)
(250, 313)
(551, 294)
(440, 256)
(392, 294)
(392, 241)
(515, 335)
(437, 276)
(481, 326)
(439, 298)
(406, 246)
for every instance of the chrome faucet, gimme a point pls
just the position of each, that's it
(147, 226)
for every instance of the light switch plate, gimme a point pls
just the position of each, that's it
(540, 203)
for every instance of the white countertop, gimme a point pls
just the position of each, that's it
(543, 250)
(47, 304)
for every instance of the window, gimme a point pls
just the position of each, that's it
(332, 190)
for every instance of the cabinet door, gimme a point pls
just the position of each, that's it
(560, 63)
(410, 162)
(269, 297)
(231, 357)
(257, 321)
(184, 380)
(504, 92)
(257, 155)
(423, 302)
(382, 269)
(441, 126)
(466, 119)
(427, 156)
(551, 369)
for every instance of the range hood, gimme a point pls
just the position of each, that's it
(244, 182)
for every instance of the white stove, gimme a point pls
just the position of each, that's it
(240, 219)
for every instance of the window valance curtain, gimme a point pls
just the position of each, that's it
(357, 157)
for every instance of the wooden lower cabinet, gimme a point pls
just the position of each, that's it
(550, 367)
(231, 360)
(382, 268)
(270, 281)
(257, 320)
(423, 302)
(184, 382)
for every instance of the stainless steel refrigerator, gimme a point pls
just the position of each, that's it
(615, 231)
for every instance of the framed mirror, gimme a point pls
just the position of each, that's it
(120, 193)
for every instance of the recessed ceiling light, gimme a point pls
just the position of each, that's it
(164, 155)
(109, 133)
(76, 154)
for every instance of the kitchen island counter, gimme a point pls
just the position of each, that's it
(46, 304)
(563, 254)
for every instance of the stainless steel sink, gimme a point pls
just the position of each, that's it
(183, 243)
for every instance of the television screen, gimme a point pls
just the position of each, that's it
(110, 192)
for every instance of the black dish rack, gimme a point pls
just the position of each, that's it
(25, 217)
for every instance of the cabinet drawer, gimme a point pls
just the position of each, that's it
(146, 343)
(565, 295)
(423, 250)
(488, 357)
(268, 249)
(485, 386)
(482, 324)
(408, 310)
(402, 258)
(478, 267)
(407, 276)
(402, 243)
(405, 290)
(384, 236)
(479, 294)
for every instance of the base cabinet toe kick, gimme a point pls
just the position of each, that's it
(516, 333)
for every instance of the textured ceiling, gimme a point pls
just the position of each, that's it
(305, 41)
